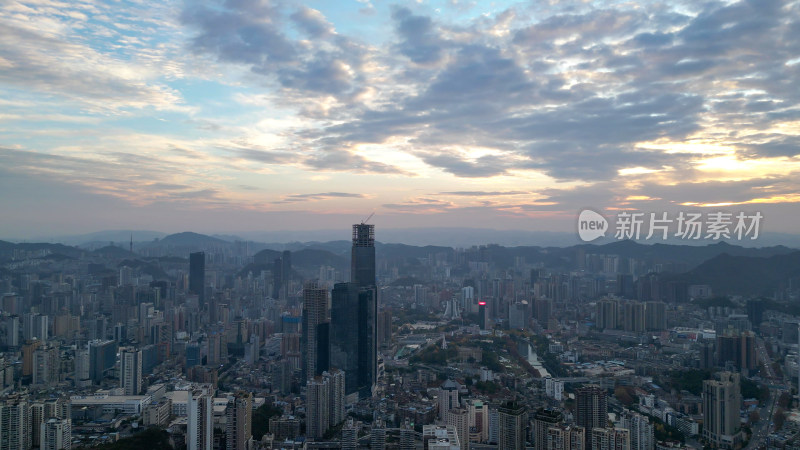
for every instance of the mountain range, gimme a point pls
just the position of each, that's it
(727, 268)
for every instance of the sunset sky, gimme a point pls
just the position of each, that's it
(237, 115)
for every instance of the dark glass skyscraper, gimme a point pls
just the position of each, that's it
(344, 333)
(362, 262)
(197, 276)
(354, 349)
(592, 408)
(315, 342)
(354, 336)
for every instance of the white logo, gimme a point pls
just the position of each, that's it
(591, 225)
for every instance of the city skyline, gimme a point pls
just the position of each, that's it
(289, 115)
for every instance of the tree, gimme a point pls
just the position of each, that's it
(622, 394)
(779, 418)
(261, 416)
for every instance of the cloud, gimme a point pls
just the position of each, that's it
(255, 35)
(44, 51)
(295, 198)
(483, 193)
(420, 41)
(312, 22)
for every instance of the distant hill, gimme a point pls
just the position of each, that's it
(145, 267)
(188, 238)
(312, 258)
(690, 254)
(746, 275)
(7, 249)
(112, 251)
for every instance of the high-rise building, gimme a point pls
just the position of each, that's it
(362, 262)
(542, 310)
(350, 435)
(562, 437)
(543, 419)
(634, 317)
(317, 407)
(479, 420)
(316, 351)
(655, 316)
(512, 419)
(610, 439)
(14, 424)
(55, 434)
(362, 273)
(130, 373)
(407, 436)
(721, 403)
(367, 342)
(755, 312)
(239, 422)
(641, 430)
(384, 327)
(197, 276)
(9, 331)
(46, 365)
(344, 333)
(102, 357)
(377, 436)
(458, 418)
(34, 326)
(483, 315)
(448, 398)
(591, 408)
(200, 427)
(286, 273)
(607, 314)
(336, 382)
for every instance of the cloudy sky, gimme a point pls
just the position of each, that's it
(241, 115)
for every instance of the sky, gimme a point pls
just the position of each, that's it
(246, 115)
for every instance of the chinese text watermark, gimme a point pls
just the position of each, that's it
(683, 225)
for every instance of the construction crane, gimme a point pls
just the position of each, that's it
(368, 217)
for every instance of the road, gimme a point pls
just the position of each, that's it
(776, 386)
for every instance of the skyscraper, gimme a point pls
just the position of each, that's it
(721, 403)
(55, 434)
(362, 262)
(344, 333)
(281, 275)
(367, 341)
(448, 398)
(483, 315)
(458, 418)
(200, 428)
(377, 436)
(102, 357)
(641, 430)
(239, 421)
(324, 402)
(14, 424)
(512, 418)
(543, 419)
(592, 408)
(610, 439)
(353, 336)
(316, 351)
(197, 276)
(317, 407)
(130, 373)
